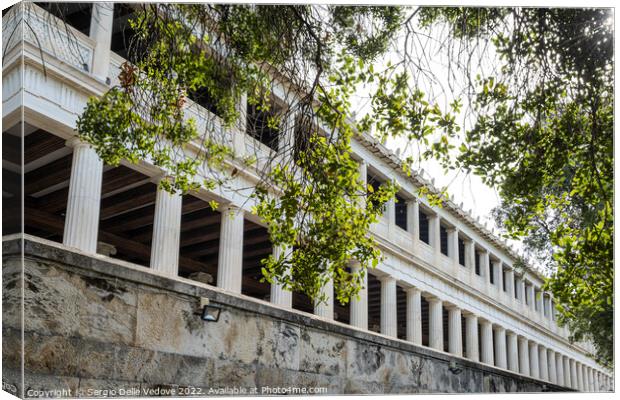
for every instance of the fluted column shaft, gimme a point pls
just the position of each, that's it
(278, 295)
(230, 259)
(455, 337)
(543, 364)
(553, 373)
(486, 339)
(414, 315)
(513, 352)
(166, 232)
(84, 200)
(500, 347)
(589, 386)
(567, 373)
(582, 377)
(471, 337)
(574, 380)
(435, 316)
(434, 234)
(559, 368)
(359, 303)
(534, 365)
(388, 306)
(101, 32)
(524, 356)
(596, 383)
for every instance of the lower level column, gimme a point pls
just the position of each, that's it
(414, 315)
(279, 295)
(500, 347)
(559, 368)
(359, 303)
(471, 336)
(166, 232)
(435, 322)
(543, 365)
(553, 373)
(84, 199)
(325, 308)
(573, 374)
(455, 333)
(513, 352)
(230, 259)
(486, 340)
(388, 306)
(567, 374)
(534, 365)
(524, 356)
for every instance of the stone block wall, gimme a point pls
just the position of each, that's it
(99, 327)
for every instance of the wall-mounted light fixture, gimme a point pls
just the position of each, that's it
(208, 312)
(454, 368)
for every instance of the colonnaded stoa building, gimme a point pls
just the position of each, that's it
(112, 262)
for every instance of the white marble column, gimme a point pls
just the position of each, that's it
(553, 373)
(101, 33)
(524, 356)
(433, 232)
(414, 315)
(484, 266)
(388, 306)
(534, 364)
(84, 200)
(574, 380)
(513, 352)
(230, 259)
(559, 369)
(166, 232)
(543, 364)
(567, 374)
(413, 220)
(538, 298)
(579, 385)
(435, 319)
(359, 303)
(390, 209)
(470, 255)
(582, 377)
(486, 339)
(453, 245)
(455, 333)
(500, 347)
(499, 276)
(530, 295)
(278, 294)
(238, 138)
(325, 308)
(510, 284)
(522, 293)
(595, 381)
(362, 170)
(590, 380)
(471, 336)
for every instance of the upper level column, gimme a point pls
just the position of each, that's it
(471, 336)
(84, 200)
(434, 232)
(101, 32)
(414, 315)
(453, 246)
(230, 259)
(413, 221)
(510, 283)
(279, 295)
(388, 306)
(359, 303)
(166, 232)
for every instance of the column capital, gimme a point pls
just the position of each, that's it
(450, 306)
(469, 314)
(499, 328)
(431, 298)
(386, 278)
(75, 142)
(413, 290)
